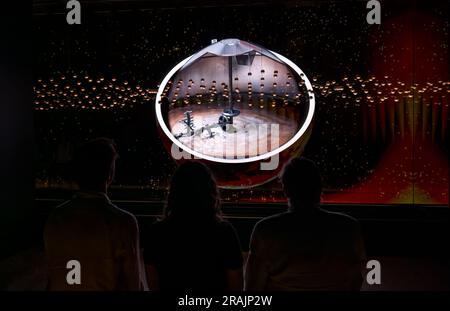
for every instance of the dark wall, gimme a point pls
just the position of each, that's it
(16, 126)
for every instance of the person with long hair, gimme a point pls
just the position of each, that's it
(193, 247)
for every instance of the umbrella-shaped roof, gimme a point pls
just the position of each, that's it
(231, 47)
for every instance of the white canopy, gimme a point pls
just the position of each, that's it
(250, 63)
(231, 47)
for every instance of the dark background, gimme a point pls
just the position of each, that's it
(404, 231)
(140, 41)
(16, 129)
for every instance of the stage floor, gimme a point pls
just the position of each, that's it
(254, 132)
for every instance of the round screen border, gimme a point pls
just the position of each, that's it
(290, 142)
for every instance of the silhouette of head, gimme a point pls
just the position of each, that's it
(193, 193)
(95, 164)
(302, 183)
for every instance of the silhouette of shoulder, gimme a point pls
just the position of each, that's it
(94, 208)
(126, 219)
(339, 218)
(292, 220)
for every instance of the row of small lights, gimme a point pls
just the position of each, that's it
(85, 92)
(380, 90)
(212, 91)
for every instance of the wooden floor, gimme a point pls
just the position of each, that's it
(249, 135)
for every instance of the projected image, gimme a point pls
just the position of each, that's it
(367, 103)
(228, 96)
(235, 102)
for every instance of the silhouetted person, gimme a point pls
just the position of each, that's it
(193, 248)
(305, 248)
(90, 229)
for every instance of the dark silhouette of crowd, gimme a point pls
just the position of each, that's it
(193, 247)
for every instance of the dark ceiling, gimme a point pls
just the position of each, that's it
(59, 6)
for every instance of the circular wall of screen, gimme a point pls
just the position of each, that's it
(235, 102)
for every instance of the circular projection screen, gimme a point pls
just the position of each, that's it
(235, 102)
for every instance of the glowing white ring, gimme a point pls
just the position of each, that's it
(301, 131)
